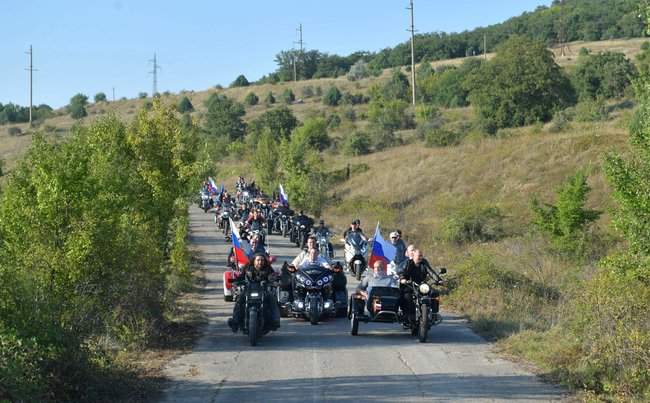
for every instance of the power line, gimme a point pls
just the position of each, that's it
(412, 31)
(31, 70)
(156, 67)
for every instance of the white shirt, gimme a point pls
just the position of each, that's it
(320, 261)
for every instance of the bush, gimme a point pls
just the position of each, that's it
(332, 97)
(142, 95)
(333, 121)
(319, 91)
(442, 137)
(224, 117)
(357, 143)
(240, 81)
(100, 97)
(251, 99)
(358, 71)
(474, 223)
(77, 106)
(390, 114)
(185, 105)
(15, 131)
(604, 75)
(314, 133)
(353, 99)
(269, 99)
(591, 110)
(382, 138)
(350, 114)
(288, 96)
(562, 120)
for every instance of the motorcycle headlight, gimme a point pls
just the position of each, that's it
(326, 279)
(302, 226)
(319, 282)
(424, 288)
(255, 294)
(308, 281)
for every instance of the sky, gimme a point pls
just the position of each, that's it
(94, 46)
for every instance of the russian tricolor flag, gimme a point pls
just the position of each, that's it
(213, 186)
(284, 199)
(240, 253)
(381, 249)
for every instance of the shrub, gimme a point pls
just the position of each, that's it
(15, 131)
(357, 143)
(605, 75)
(100, 97)
(319, 91)
(442, 137)
(240, 81)
(333, 121)
(251, 99)
(390, 114)
(382, 138)
(591, 110)
(353, 99)
(332, 97)
(185, 105)
(288, 96)
(474, 223)
(562, 120)
(269, 99)
(142, 95)
(350, 114)
(224, 117)
(314, 133)
(358, 71)
(77, 106)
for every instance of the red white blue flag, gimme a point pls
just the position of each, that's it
(381, 249)
(240, 253)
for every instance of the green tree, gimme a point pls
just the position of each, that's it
(314, 133)
(251, 99)
(397, 88)
(100, 97)
(240, 81)
(332, 97)
(266, 161)
(605, 75)
(279, 121)
(185, 105)
(357, 143)
(224, 117)
(77, 106)
(566, 221)
(520, 86)
(142, 95)
(358, 71)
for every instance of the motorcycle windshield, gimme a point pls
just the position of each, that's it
(355, 240)
(314, 272)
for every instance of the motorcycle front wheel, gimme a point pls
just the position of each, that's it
(252, 327)
(423, 329)
(354, 325)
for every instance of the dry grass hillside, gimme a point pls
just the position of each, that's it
(12, 147)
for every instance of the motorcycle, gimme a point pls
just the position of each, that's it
(232, 272)
(255, 324)
(313, 294)
(325, 247)
(382, 305)
(205, 202)
(356, 250)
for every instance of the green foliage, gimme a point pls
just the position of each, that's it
(224, 117)
(185, 105)
(266, 162)
(279, 121)
(397, 88)
(390, 114)
(332, 97)
(288, 96)
(566, 221)
(605, 75)
(86, 225)
(474, 223)
(442, 137)
(643, 59)
(357, 143)
(314, 133)
(11, 113)
(562, 120)
(251, 99)
(77, 106)
(358, 71)
(591, 110)
(521, 85)
(269, 99)
(333, 121)
(240, 81)
(447, 88)
(142, 95)
(100, 97)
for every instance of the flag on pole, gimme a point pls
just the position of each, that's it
(381, 249)
(240, 253)
(213, 186)
(284, 199)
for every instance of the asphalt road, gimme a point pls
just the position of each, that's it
(323, 363)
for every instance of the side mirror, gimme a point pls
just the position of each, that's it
(443, 270)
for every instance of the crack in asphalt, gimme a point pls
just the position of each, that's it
(418, 381)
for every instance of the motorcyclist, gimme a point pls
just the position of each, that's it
(314, 258)
(378, 278)
(255, 220)
(400, 250)
(408, 256)
(258, 269)
(256, 247)
(355, 227)
(323, 231)
(301, 219)
(419, 271)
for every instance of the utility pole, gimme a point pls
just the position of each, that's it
(31, 88)
(412, 31)
(302, 49)
(156, 67)
(293, 59)
(113, 94)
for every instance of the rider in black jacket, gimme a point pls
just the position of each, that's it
(419, 271)
(258, 269)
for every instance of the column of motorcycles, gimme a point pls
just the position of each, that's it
(314, 292)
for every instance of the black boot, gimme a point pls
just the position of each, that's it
(234, 326)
